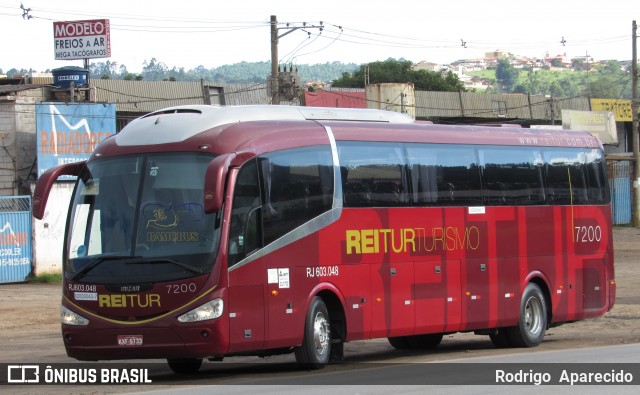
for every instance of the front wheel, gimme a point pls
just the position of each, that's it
(316, 346)
(533, 319)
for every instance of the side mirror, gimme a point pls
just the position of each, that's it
(45, 183)
(214, 181)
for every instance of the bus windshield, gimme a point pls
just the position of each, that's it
(141, 219)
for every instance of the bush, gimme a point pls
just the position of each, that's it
(46, 278)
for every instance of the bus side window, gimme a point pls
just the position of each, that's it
(245, 231)
(297, 186)
(598, 188)
(373, 174)
(566, 176)
(444, 175)
(512, 176)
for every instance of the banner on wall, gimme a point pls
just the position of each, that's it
(601, 124)
(69, 132)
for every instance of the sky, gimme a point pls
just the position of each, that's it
(212, 33)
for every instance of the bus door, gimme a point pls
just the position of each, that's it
(246, 275)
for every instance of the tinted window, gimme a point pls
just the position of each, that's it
(566, 176)
(444, 175)
(596, 167)
(511, 176)
(297, 185)
(373, 174)
(245, 233)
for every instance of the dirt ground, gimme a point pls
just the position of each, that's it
(30, 328)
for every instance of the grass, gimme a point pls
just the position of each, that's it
(46, 278)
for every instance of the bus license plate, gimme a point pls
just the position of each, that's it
(130, 340)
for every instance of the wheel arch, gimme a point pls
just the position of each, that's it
(333, 299)
(542, 282)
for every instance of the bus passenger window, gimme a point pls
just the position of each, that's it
(245, 231)
(596, 168)
(443, 175)
(511, 176)
(373, 174)
(566, 175)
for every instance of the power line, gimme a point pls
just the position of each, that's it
(345, 35)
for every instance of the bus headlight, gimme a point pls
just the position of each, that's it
(208, 311)
(68, 317)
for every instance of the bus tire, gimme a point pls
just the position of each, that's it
(500, 338)
(533, 319)
(315, 350)
(184, 365)
(399, 342)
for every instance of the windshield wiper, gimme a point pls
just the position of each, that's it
(97, 261)
(183, 265)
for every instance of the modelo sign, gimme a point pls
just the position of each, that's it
(82, 39)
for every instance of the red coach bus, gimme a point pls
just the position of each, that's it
(206, 232)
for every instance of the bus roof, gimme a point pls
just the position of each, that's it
(176, 124)
(260, 129)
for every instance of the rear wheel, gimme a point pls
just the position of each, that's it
(533, 319)
(316, 346)
(185, 365)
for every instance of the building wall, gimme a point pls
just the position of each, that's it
(7, 144)
(18, 140)
(26, 137)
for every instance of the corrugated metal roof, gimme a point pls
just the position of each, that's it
(147, 96)
(437, 104)
(239, 94)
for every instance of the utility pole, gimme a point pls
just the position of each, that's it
(275, 88)
(634, 127)
(275, 81)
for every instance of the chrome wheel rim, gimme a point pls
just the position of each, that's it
(533, 316)
(321, 333)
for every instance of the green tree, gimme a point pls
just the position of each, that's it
(106, 70)
(154, 70)
(506, 75)
(578, 64)
(399, 71)
(555, 62)
(123, 71)
(555, 89)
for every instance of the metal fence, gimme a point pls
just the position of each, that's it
(620, 176)
(15, 238)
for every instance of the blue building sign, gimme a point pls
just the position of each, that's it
(15, 238)
(69, 132)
